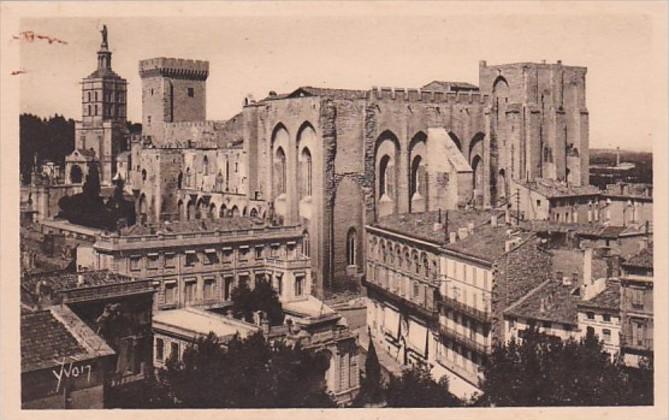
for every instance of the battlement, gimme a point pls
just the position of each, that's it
(187, 124)
(178, 68)
(433, 96)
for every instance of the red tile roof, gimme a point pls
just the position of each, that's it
(643, 258)
(226, 224)
(559, 304)
(45, 341)
(607, 299)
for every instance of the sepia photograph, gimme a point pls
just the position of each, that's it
(300, 205)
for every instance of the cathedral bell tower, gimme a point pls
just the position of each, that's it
(102, 132)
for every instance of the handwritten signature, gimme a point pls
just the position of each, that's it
(67, 371)
(31, 36)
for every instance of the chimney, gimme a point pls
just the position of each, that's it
(587, 266)
(452, 237)
(265, 327)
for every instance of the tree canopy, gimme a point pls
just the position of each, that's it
(417, 388)
(263, 298)
(246, 373)
(89, 209)
(546, 371)
(44, 140)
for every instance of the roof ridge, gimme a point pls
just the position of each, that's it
(527, 295)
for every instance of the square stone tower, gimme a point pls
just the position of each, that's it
(173, 90)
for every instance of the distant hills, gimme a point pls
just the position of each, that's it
(600, 176)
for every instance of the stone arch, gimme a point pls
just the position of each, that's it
(234, 212)
(477, 180)
(76, 174)
(212, 213)
(417, 173)
(387, 170)
(253, 212)
(222, 212)
(348, 214)
(180, 209)
(190, 210)
(280, 141)
(143, 208)
(476, 145)
(456, 140)
(306, 145)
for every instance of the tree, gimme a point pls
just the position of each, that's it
(371, 387)
(263, 298)
(91, 187)
(546, 371)
(417, 388)
(246, 373)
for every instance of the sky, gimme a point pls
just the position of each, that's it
(256, 54)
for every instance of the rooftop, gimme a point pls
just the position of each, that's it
(421, 225)
(449, 86)
(227, 224)
(609, 298)
(521, 270)
(556, 189)
(59, 280)
(54, 336)
(200, 323)
(104, 73)
(550, 302)
(643, 258)
(487, 242)
(583, 229)
(309, 307)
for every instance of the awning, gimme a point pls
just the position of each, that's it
(190, 251)
(210, 251)
(417, 334)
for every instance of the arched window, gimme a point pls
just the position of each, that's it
(188, 178)
(222, 212)
(180, 209)
(254, 212)
(385, 177)
(180, 180)
(235, 211)
(306, 244)
(205, 165)
(227, 175)
(280, 171)
(75, 174)
(306, 172)
(415, 185)
(351, 247)
(143, 174)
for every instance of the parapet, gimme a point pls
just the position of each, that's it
(178, 68)
(419, 95)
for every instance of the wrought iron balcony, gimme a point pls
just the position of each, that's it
(464, 340)
(479, 315)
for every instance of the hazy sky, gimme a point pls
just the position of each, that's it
(253, 55)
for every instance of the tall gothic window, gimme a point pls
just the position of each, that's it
(415, 176)
(385, 177)
(351, 247)
(306, 172)
(205, 165)
(306, 244)
(280, 171)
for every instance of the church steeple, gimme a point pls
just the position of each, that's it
(104, 55)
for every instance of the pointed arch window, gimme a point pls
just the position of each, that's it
(280, 171)
(351, 247)
(306, 172)
(306, 244)
(386, 178)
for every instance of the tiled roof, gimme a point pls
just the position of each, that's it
(449, 86)
(609, 298)
(347, 94)
(48, 340)
(555, 189)
(45, 341)
(521, 270)
(421, 225)
(104, 73)
(643, 258)
(583, 229)
(487, 242)
(226, 224)
(559, 304)
(60, 280)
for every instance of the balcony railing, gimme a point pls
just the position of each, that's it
(483, 316)
(431, 314)
(641, 344)
(465, 340)
(461, 371)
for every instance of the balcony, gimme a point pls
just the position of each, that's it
(424, 312)
(636, 344)
(464, 340)
(479, 315)
(288, 263)
(469, 376)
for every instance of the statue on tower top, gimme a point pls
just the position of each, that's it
(104, 36)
